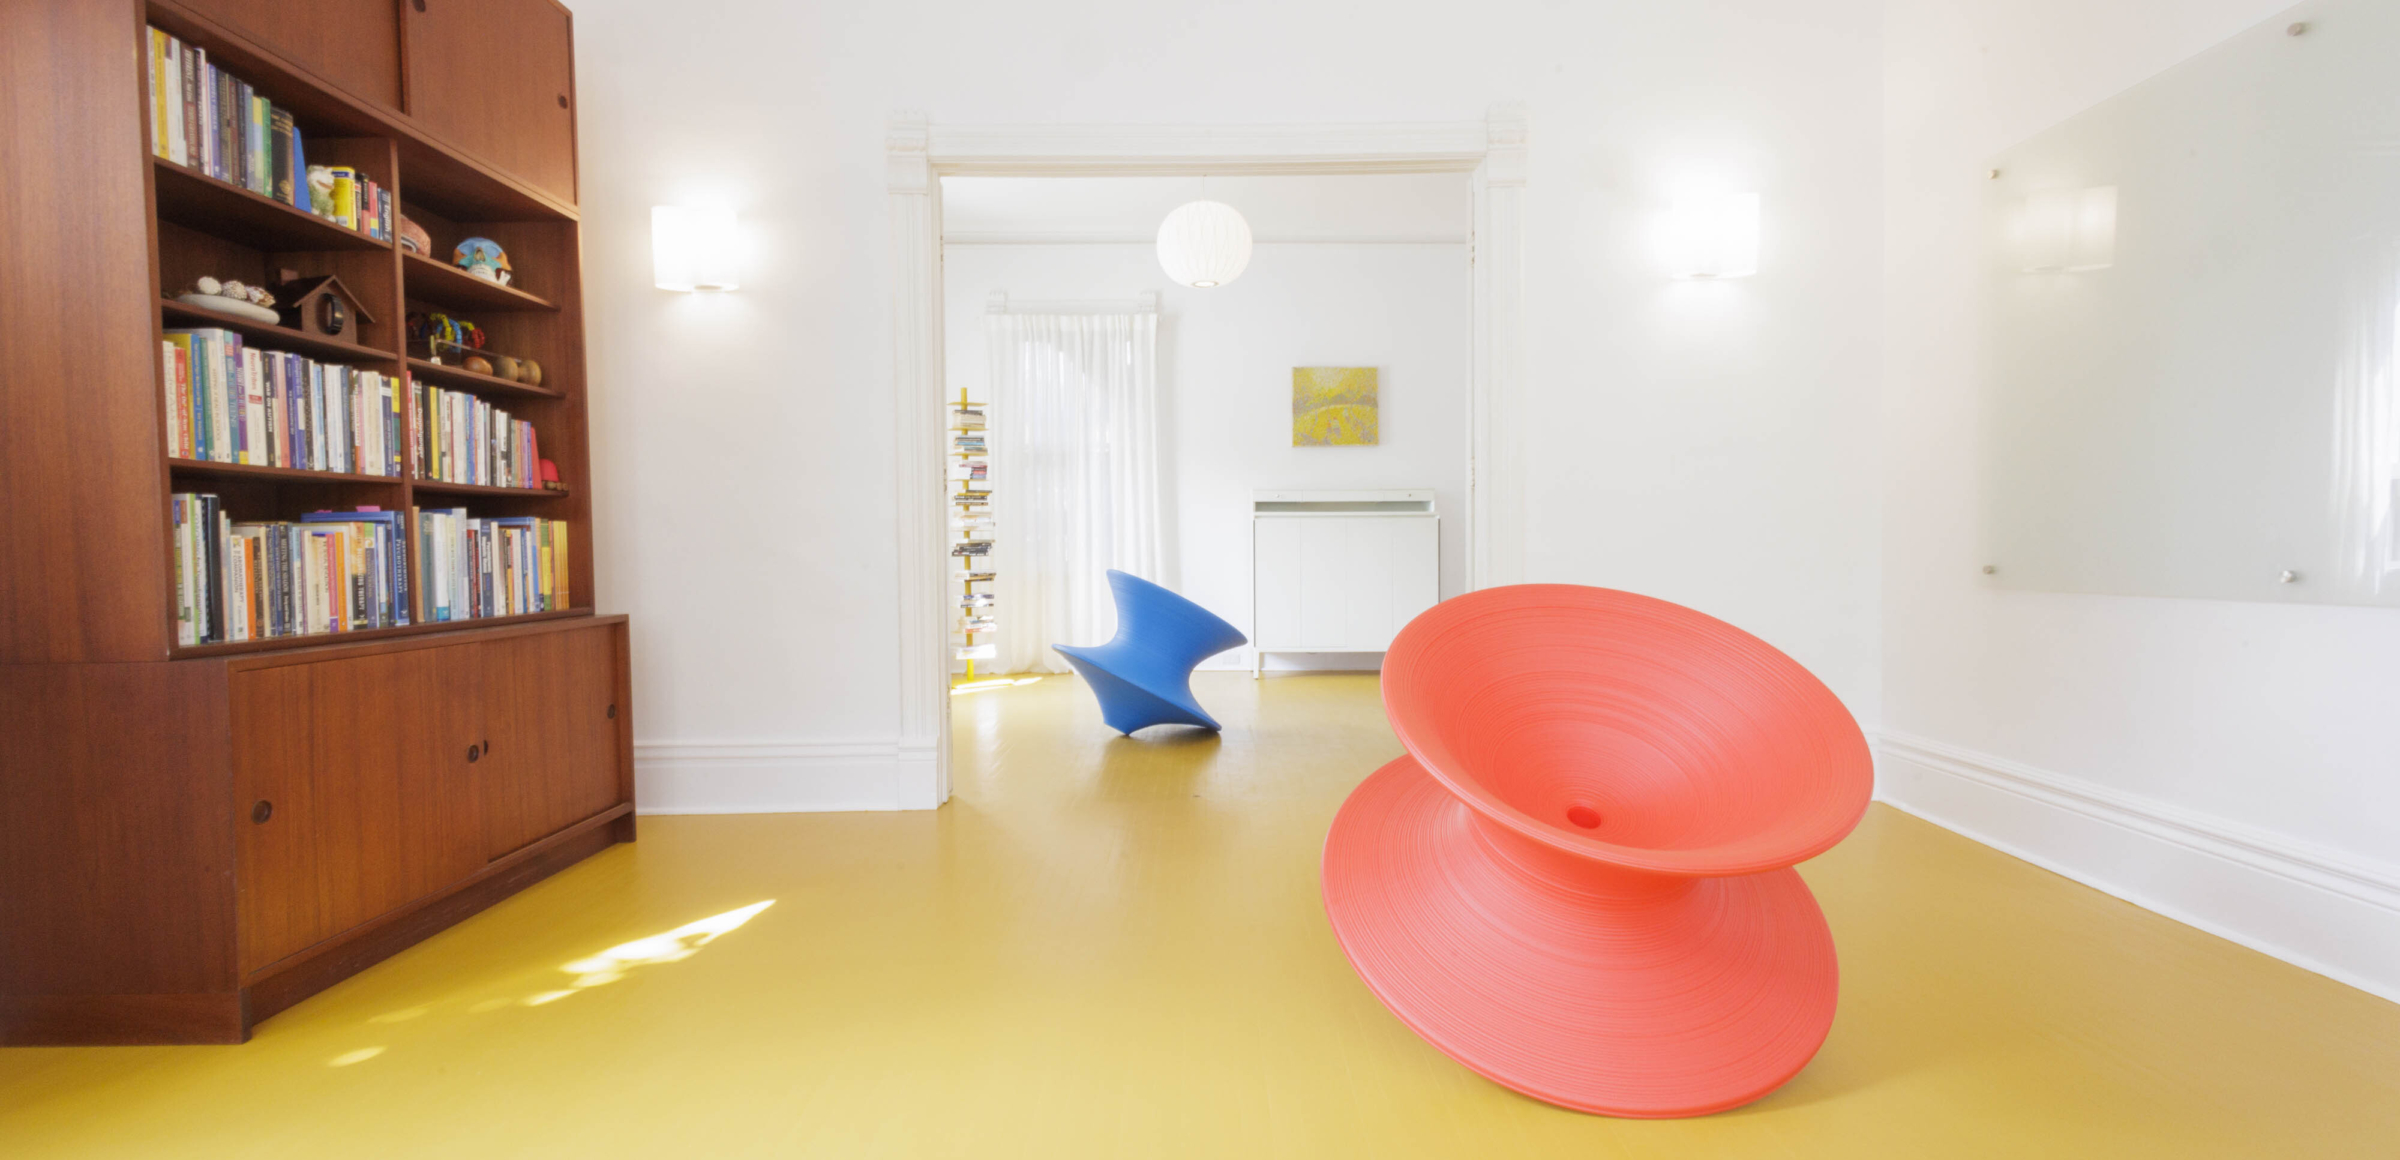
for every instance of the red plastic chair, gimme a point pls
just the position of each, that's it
(1578, 883)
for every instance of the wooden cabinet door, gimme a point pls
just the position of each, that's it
(353, 43)
(275, 849)
(363, 769)
(396, 808)
(554, 758)
(497, 79)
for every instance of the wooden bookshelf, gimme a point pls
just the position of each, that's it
(179, 315)
(460, 378)
(440, 487)
(151, 897)
(447, 284)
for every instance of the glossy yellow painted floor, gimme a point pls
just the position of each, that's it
(1112, 948)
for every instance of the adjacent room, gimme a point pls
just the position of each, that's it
(896, 578)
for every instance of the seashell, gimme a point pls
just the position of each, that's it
(233, 289)
(208, 285)
(260, 297)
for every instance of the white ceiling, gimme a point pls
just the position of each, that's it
(1411, 207)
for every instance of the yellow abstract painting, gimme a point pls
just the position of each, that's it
(1333, 406)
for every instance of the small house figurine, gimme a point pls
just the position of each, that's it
(483, 258)
(320, 305)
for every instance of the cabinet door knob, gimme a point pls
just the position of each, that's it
(612, 712)
(562, 100)
(487, 748)
(474, 754)
(261, 812)
(419, 5)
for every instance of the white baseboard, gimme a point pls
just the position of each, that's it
(2317, 908)
(783, 777)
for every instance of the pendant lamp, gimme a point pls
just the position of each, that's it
(1204, 244)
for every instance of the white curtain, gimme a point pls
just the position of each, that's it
(1074, 452)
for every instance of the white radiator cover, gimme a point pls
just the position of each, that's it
(1340, 571)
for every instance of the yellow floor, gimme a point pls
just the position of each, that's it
(1112, 948)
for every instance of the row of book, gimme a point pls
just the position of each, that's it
(972, 522)
(491, 567)
(333, 571)
(209, 120)
(231, 403)
(326, 572)
(463, 439)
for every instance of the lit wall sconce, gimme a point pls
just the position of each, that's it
(693, 248)
(2065, 230)
(1714, 236)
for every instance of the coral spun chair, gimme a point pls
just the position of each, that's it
(1143, 675)
(1578, 883)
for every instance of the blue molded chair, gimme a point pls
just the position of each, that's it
(1143, 677)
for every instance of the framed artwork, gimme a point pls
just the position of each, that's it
(1333, 407)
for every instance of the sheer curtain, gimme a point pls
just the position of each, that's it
(1074, 454)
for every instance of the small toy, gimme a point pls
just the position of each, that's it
(483, 258)
(320, 305)
(443, 336)
(320, 190)
(550, 476)
(413, 237)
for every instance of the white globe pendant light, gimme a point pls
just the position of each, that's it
(1204, 244)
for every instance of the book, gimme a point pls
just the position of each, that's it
(280, 128)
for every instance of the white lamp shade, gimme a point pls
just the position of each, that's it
(1204, 244)
(1713, 236)
(692, 248)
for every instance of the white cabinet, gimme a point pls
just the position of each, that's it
(1340, 571)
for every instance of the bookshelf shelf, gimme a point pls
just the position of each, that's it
(460, 378)
(367, 635)
(439, 487)
(253, 471)
(181, 316)
(447, 284)
(229, 211)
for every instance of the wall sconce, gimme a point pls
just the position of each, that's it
(692, 248)
(2066, 230)
(1714, 236)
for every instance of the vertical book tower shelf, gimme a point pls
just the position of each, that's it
(195, 835)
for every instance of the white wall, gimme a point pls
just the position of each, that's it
(2230, 764)
(1709, 444)
(1225, 384)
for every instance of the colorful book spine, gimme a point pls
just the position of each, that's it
(228, 403)
(326, 572)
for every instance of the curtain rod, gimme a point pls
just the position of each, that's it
(1145, 302)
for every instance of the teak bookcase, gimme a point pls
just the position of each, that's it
(194, 838)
